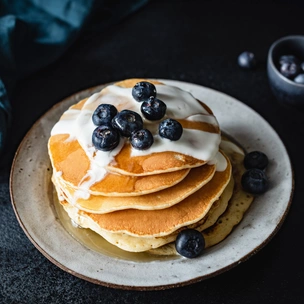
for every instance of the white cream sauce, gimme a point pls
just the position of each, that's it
(180, 105)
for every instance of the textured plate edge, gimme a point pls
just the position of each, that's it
(155, 287)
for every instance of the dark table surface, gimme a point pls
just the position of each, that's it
(193, 41)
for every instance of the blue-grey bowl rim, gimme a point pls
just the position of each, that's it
(272, 65)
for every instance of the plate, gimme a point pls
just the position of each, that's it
(32, 199)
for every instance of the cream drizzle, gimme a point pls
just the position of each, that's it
(180, 105)
(220, 161)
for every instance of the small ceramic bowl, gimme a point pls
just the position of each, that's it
(286, 90)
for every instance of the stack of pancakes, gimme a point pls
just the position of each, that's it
(140, 200)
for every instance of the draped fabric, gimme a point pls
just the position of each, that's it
(34, 33)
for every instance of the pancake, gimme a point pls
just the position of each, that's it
(112, 184)
(195, 179)
(216, 225)
(220, 221)
(165, 160)
(199, 203)
(162, 222)
(140, 244)
(82, 166)
(155, 163)
(237, 207)
(139, 200)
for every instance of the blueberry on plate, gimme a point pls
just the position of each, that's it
(170, 129)
(126, 122)
(143, 90)
(153, 109)
(141, 139)
(247, 60)
(105, 138)
(255, 181)
(103, 114)
(190, 243)
(255, 159)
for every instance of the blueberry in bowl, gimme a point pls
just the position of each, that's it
(289, 66)
(285, 70)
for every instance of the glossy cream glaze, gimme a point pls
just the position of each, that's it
(181, 105)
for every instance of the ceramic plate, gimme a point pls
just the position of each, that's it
(32, 199)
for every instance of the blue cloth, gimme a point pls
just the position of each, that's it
(34, 33)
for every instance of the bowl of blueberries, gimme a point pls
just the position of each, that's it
(285, 69)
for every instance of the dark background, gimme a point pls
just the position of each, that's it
(193, 41)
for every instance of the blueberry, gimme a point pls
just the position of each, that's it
(153, 109)
(127, 122)
(289, 69)
(190, 243)
(141, 139)
(247, 60)
(143, 90)
(256, 159)
(299, 79)
(171, 129)
(254, 181)
(105, 138)
(288, 59)
(103, 114)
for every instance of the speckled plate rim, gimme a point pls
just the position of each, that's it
(30, 191)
